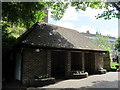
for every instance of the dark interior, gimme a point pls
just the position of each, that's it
(58, 64)
(89, 62)
(76, 61)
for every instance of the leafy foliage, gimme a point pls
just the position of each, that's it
(114, 65)
(15, 16)
(110, 10)
(103, 42)
(117, 45)
(28, 13)
(58, 10)
(22, 13)
(8, 40)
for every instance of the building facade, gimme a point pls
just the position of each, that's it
(56, 51)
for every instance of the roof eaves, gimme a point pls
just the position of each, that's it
(48, 47)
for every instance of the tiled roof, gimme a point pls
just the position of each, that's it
(47, 35)
(94, 35)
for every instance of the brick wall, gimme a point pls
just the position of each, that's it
(34, 64)
(106, 59)
(98, 60)
(89, 62)
(39, 63)
(68, 64)
(102, 61)
(49, 62)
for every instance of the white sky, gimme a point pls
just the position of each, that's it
(85, 20)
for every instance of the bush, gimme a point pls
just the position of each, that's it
(114, 66)
(41, 76)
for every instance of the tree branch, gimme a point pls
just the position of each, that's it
(116, 6)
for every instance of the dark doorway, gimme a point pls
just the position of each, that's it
(89, 63)
(58, 64)
(76, 61)
(8, 64)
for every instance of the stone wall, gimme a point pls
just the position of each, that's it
(33, 64)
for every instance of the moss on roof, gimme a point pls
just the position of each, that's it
(48, 35)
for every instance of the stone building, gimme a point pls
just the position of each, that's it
(54, 50)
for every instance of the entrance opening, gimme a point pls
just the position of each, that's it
(89, 62)
(76, 61)
(58, 64)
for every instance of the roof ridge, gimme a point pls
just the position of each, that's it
(63, 37)
(40, 23)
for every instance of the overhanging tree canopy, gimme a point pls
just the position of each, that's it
(27, 13)
(22, 13)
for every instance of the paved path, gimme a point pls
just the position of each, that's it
(108, 80)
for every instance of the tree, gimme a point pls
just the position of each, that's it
(17, 15)
(117, 44)
(28, 13)
(8, 41)
(22, 14)
(103, 42)
(117, 47)
(109, 13)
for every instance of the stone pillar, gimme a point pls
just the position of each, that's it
(68, 64)
(49, 62)
(83, 61)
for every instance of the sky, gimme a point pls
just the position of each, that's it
(83, 21)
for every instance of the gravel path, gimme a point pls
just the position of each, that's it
(108, 80)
